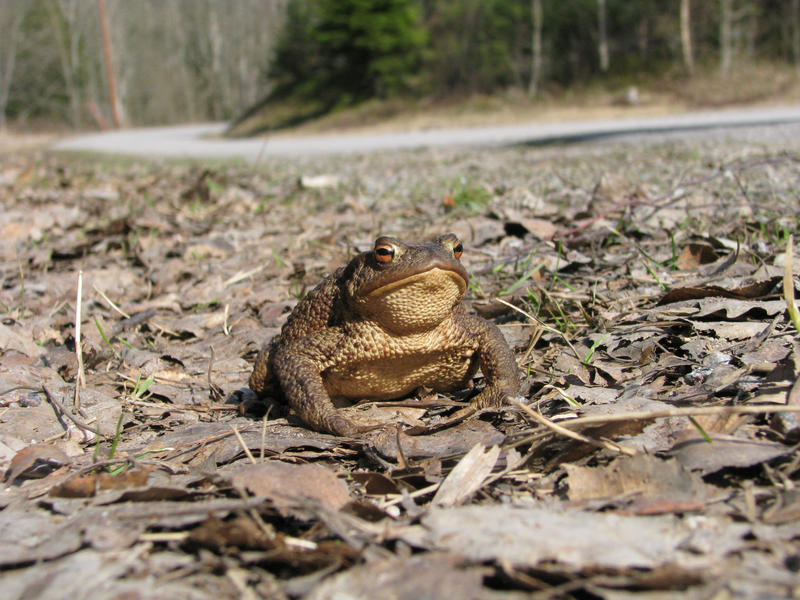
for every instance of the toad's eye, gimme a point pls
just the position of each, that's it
(384, 253)
(458, 249)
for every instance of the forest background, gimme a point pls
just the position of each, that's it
(200, 60)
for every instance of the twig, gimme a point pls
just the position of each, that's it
(186, 407)
(788, 285)
(133, 321)
(242, 275)
(264, 432)
(80, 424)
(110, 303)
(415, 494)
(661, 414)
(543, 326)
(80, 380)
(19, 387)
(570, 434)
(244, 446)
(165, 536)
(21, 289)
(214, 391)
(681, 412)
(401, 456)
(238, 578)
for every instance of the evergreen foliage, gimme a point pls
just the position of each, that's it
(348, 50)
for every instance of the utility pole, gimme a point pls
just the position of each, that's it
(107, 56)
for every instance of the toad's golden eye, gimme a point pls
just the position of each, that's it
(458, 249)
(384, 253)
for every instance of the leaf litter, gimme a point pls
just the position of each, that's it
(653, 448)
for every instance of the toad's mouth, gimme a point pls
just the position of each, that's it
(428, 283)
(415, 303)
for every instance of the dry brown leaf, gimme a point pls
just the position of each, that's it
(453, 440)
(727, 330)
(424, 577)
(19, 341)
(285, 484)
(527, 537)
(85, 486)
(36, 461)
(467, 476)
(240, 532)
(696, 454)
(636, 478)
(695, 254)
(788, 423)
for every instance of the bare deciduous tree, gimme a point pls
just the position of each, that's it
(796, 32)
(686, 36)
(11, 15)
(536, 47)
(602, 33)
(725, 38)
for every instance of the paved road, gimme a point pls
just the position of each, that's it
(202, 141)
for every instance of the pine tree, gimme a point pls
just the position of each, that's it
(353, 49)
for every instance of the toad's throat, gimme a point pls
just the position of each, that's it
(427, 281)
(416, 303)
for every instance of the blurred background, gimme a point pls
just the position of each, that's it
(265, 64)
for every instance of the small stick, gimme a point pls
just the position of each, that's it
(570, 434)
(402, 463)
(110, 302)
(214, 392)
(543, 326)
(21, 289)
(662, 414)
(244, 446)
(208, 371)
(681, 412)
(415, 494)
(80, 380)
(242, 275)
(60, 407)
(264, 432)
(186, 407)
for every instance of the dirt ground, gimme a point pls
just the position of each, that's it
(652, 450)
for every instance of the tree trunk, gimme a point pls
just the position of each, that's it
(536, 48)
(686, 36)
(725, 37)
(62, 29)
(218, 101)
(643, 37)
(8, 54)
(602, 44)
(107, 56)
(796, 32)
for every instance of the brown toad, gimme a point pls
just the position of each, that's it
(388, 323)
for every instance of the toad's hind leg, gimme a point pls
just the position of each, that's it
(262, 380)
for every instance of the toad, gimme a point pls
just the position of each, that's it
(388, 323)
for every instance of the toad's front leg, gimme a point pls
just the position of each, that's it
(497, 361)
(298, 366)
